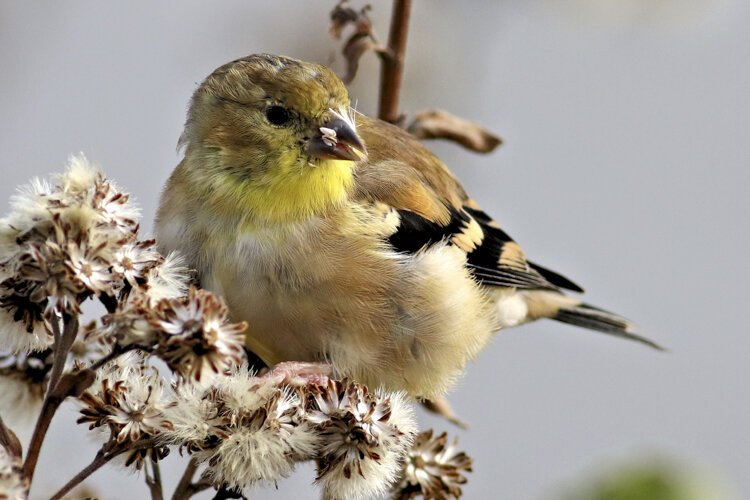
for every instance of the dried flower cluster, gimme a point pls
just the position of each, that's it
(253, 430)
(61, 245)
(257, 430)
(74, 240)
(78, 239)
(250, 429)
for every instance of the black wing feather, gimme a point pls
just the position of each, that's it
(556, 278)
(415, 233)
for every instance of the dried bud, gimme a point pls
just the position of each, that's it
(261, 445)
(134, 260)
(433, 469)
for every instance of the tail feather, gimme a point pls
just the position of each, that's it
(593, 318)
(566, 309)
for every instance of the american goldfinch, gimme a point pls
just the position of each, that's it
(340, 238)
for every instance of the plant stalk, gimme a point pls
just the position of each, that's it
(53, 400)
(392, 59)
(101, 459)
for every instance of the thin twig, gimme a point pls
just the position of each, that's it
(154, 483)
(116, 352)
(100, 459)
(49, 407)
(53, 399)
(56, 371)
(105, 454)
(69, 333)
(181, 491)
(186, 488)
(196, 488)
(392, 59)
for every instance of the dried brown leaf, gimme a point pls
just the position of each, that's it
(362, 39)
(439, 124)
(354, 49)
(343, 15)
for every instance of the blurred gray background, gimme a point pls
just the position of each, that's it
(625, 167)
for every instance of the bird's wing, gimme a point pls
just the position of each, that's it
(432, 208)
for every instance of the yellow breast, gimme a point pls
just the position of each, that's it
(290, 191)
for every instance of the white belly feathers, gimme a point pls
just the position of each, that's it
(398, 319)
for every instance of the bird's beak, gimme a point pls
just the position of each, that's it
(336, 139)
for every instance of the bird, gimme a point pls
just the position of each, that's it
(341, 239)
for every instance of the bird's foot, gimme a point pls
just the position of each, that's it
(300, 373)
(442, 407)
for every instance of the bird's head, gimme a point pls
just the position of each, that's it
(274, 136)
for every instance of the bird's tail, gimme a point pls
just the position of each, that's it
(566, 309)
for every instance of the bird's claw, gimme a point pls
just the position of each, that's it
(300, 373)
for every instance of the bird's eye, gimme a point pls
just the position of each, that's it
(277, 115)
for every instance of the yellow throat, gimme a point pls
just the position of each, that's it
(290, 192)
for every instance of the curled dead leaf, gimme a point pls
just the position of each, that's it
(343, 15)
(354, 49)
(362, 39)
(439, 124)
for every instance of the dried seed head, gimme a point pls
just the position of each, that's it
(260, 446)
(130, 401)
(364, 438)
(434, 468)
(246, 428)
(194, 334)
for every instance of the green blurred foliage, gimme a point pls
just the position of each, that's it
(659, 480)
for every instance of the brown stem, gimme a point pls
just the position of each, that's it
(154, 483)
(116, 352)
(183, 487)
(50, 406)
(196, 488)
(62, 346)
(186, 488)
(53, 399)
(71, 384)
(393, 62)
(100, 459)
(56, 371)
